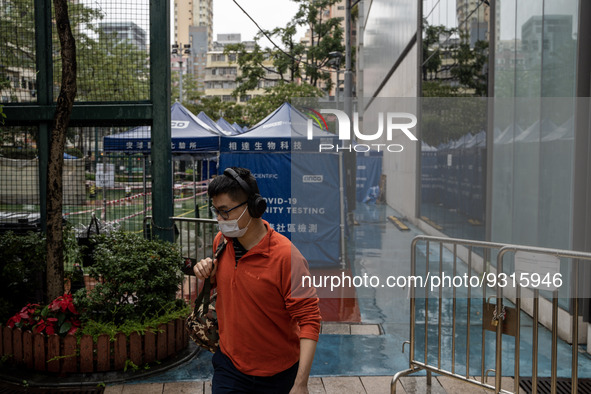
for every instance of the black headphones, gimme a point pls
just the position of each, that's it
(256, 204)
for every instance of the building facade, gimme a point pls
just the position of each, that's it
(127, 32)
(193, 30)
(222, 70)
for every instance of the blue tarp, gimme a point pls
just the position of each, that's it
(369, 171)
(188, 135)
(301, 185)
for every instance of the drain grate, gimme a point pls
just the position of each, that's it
(563, 385)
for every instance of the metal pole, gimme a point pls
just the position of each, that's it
(342, 203)
(181, 81)
(534, 345)
(499, 336)
(144, 182)
(195, 188)
(350, 159)
(575, 333)
(554, 351)
(337, 89)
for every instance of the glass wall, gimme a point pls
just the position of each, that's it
(533, 148)
(535, 70)
(391, 25)
(454, 87)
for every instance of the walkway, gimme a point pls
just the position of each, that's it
(360, 347)
(326, 385)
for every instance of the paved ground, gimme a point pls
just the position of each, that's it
(326, 385)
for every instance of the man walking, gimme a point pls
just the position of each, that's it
(268, 323)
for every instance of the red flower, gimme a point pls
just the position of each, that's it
(45, 320)
(13, 320)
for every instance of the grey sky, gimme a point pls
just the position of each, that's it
(228, 18)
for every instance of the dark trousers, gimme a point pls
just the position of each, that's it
(228, 379)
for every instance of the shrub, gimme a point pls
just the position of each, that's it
(138, 278)
(22, 269)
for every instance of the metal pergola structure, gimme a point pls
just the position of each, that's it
(154, 112)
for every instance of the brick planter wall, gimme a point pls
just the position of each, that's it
(64, 355)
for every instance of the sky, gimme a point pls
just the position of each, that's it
(228, 18)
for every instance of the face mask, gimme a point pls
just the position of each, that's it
(231, 229)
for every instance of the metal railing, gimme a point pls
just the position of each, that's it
(194, 236)
(506, 321)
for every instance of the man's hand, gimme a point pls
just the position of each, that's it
(299, 389)
(307, 350)
(205, 268)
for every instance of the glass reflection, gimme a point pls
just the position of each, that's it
(453, 154)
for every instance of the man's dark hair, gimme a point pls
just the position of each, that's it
(226, 184)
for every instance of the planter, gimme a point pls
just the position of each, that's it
(66, 355)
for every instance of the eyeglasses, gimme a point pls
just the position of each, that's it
(225, 214)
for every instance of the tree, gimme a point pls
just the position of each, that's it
(109, 68)
(192, 92)
(468, 72)
(215, 108)
(65, 102)
(308, 62)
(432, 49)
(470, 67)
(261, 106)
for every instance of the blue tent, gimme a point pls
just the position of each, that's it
(227, 127)
(300, 184)
(241, 129)
(210, 124)
(188, 135)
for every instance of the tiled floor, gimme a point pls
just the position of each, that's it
(327, 385)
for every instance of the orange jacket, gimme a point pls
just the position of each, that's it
(260, 321)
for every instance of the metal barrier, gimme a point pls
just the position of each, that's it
(194, 236)
(505, 321)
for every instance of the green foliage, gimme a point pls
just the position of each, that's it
(261, 106)
(470, 67)
(448, 119)
(327, 36)
(215, 108)
(72, 252)
(138, 278)
(468, 70)
(2, 114)
(192, 88)
(439, 89)
(253, 71)
(432, 35)
(22, 268)
(108, 69)
(171, 311)
(309, 62)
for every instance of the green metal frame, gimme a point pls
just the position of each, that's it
(154, 112)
